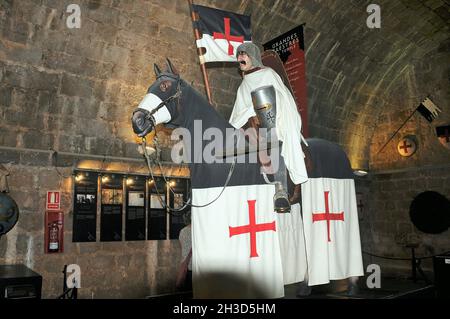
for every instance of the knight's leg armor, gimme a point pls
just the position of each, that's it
(264, 104)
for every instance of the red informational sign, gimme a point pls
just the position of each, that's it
(54, 232)
(290, 46)
(53, 200)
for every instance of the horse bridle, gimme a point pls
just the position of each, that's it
(149, 116)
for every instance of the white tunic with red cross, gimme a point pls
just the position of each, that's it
(331, 229)
(238, 243)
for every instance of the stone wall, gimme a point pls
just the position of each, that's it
(132, 269)
(386, 227)
(396, 180)
(73, 90)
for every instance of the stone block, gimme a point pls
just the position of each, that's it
(5, 96)
(58, 61)
(45, 101)
(18, 31)
(32, 56)
(96, 69)
(53, 264)
(69, 247)
(130, 40)
(88, 248)
(30, 78)
(26, 200)
(68, 143)
(114, 54)
(131, 150)
(8, 137)
(29, 220)
(124, 261)
(145, 27)
(38, 140)
(435, 184)
(404, 228)
(92, 49)
(86, 127)
(49, 179)
(182, 9)
(76, 86)
(88, 108)
(104, 14)
(102, 263)
(35, 159)
(164, 4)
(99, 88)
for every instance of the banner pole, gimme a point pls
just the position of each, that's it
(390, 139)
(199, 52)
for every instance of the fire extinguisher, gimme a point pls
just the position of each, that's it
(53, 240)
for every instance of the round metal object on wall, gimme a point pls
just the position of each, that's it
(407, 146)
(430, 212)
(9, 213)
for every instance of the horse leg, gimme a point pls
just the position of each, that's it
(352, 286)
(303, 289)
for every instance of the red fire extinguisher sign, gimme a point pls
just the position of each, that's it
(53, 200)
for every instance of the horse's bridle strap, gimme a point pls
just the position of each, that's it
(163, 103)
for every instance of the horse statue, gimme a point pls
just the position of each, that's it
(237, 237)
(241, 247)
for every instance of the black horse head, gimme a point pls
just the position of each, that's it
(171, 101)
(159, 104)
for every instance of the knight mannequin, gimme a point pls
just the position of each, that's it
(288, 122)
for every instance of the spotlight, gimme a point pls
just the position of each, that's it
(360, 172)
(150, 150)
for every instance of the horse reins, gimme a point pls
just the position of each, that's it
(150, 117)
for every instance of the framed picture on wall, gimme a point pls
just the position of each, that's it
(156, 201)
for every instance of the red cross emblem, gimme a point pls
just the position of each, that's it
(252, 228)
(327, 215)
(228, 36)
(405, 147)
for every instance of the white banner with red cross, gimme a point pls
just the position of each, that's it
(222, 32)
(331, 227)
(235, 243)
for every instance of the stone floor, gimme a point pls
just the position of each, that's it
(390, 288)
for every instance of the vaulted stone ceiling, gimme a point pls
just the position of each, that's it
(362, 83)
(355, 74)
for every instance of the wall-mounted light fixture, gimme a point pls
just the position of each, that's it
(105, 179)
(129, 181)
(360, 172)
(150, 150)
(172, 183)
